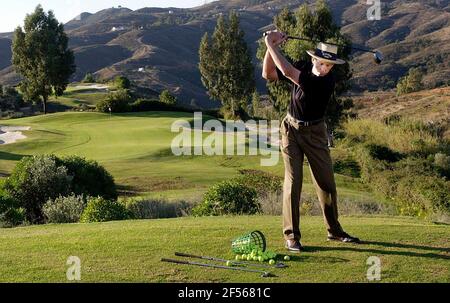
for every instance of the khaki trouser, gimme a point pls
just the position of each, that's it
(312, 141)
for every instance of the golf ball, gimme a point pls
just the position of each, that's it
(287, 258)
(272, 262)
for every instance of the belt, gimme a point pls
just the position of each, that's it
(303, 123)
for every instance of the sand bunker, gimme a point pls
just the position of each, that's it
(93, 87)
(10, 134)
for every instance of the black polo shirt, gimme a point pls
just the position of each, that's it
(309, 100)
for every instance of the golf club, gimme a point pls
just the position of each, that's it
(277, 265)
(377, 55)
(264, 274)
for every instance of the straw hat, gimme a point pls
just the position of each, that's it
(326, 52)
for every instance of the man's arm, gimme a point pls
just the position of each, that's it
(289, 71)
(269, 68)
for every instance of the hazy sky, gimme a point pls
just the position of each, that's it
(13, 11)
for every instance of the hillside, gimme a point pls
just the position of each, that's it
(429, 106)
(6, 54)
(158, 48)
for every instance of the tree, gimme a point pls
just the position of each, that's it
(256, 101)
(115, 102)
(315, 25)
(9, 99)
(166, 97)
(412, 82)
(122, 82)
(89, 78)
(41, 56)
(225, 65)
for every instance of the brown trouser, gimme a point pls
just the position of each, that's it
(312, 141)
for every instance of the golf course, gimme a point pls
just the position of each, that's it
(220, 142)
(135, 148)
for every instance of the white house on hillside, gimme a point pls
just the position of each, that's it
(119, 28)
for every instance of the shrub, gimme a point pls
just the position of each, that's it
(10, 99)
(412, 82)
(383, 153)
(154, 209)
(10, 213)
(437, 192)
(89, 178)
(64, 209)
(167, 98)
(344, 163)
(89, 78)
(118, 102)
(262, 182)
(143, 105)
(228, 197)
(369, 166)
(102, 210)
(422, 196)
(34, 181)
(414, 166)
(442, 163)
(405, 136)
(122, 82)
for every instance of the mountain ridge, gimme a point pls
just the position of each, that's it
(158, 47)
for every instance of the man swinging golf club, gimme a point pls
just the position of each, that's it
(303, 133)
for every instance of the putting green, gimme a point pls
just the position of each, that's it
(135, 148)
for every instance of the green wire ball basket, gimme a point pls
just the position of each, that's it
(247, 243)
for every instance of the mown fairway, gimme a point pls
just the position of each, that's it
(135, 148)
(410, 250)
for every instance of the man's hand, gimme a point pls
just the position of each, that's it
(275, 38)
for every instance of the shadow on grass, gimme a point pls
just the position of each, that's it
(400, 245)
(362, 248)
(10, 156)
(313, 259)
(56, 107)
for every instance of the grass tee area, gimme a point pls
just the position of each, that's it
(410, 250)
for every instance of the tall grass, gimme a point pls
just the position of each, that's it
(144, 208)
(404, 136)
(272, 204)
(403, 160)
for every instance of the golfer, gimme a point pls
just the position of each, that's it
(303, 133)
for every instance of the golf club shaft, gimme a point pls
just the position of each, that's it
(355, 48)
(280, 265)
(200, 257)
(213, 266)
(316, 41)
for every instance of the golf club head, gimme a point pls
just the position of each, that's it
(267, 275)
(378, 57)
(280, 265)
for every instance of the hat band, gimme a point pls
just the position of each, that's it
(325, 54)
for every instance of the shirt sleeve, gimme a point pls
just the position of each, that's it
(297, 65)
